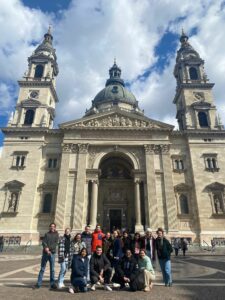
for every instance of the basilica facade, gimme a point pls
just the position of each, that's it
(115, 166)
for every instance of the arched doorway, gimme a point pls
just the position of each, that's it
(116, 193)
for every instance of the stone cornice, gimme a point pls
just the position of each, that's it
(23, 129)
(75, 148)
(39, 83)
(197, 132)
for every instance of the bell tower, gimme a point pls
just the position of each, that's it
(193, 99)
(37, 95)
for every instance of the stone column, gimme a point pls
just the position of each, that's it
(137, 206)
(94, 204)
(151, 205)
(85, 210)
(82, 150)
(169, 189)
(62, 188)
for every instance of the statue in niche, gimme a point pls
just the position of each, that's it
(12, 202)
(116, 121)
(109, 122)
(217, 204)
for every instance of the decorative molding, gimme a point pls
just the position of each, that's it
(83, 148)
(116, 121)
(70, 148)
(157, 149)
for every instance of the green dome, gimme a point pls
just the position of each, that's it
(115, 90)
(115, 93)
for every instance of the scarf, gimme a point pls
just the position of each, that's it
(67, 244)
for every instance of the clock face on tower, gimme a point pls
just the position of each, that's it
(34, 94)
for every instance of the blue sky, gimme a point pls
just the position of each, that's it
(88, 34)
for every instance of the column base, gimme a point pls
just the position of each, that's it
(139, 228)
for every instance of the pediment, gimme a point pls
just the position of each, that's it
(215, 186)
(14, 184)
(117, 119)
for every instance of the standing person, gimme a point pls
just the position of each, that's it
(49, 243)
(77, 244)
(136, 245)
(64, 256)
(213, 246)
(107, 246)
(79, 272)
(100, 269)
(97, 237)
(86, 237)
(117, 250)
(148, 243)
(126, 241)
(127, 271)
(184, 245)
(176, 245)
(164, 250)
(145, 266)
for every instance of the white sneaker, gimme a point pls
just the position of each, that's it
(116, 285)
(71, 291)
(98, 283)
(93, 287)
(107, 288)
(60, 286)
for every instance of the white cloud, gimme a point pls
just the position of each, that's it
(91, 33)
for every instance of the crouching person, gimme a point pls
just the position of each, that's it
(100, 269)
(127, 271)
(145, 267)
(79, 272)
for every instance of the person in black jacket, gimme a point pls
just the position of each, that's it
(164, 250)
(126, 242)
(79, 272)
(127, 271)
(100, 269)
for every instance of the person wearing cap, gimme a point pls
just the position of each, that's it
(148, 243)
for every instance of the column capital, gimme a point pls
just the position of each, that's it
(83, 148)
(156, 149)
(95, 181)
(137, 181)
(69, 148)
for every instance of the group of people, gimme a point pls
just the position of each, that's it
(112, 260)
(180, 243)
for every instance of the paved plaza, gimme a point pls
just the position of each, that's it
(195, 276)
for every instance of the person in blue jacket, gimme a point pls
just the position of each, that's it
(79, 272)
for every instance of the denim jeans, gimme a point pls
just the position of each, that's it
(45, 258)
(165, 265)
(62, 272)
(81, 283)
(88, 270)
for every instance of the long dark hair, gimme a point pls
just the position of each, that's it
(83, 249)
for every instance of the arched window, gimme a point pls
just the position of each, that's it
(193, 73)
(39, 70)
(47, 205)
(184, 209)
(202, 118)
(29, 117)
(176, 164)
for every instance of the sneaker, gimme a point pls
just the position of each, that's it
(127, 285)
(98, 283)
(107, 288)
(116, 285)
(146, 289)
(60, 286)
(93, 287)
(53, 286)
(36, 287)
(170, 284)
(71, 291)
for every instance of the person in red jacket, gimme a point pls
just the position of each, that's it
(97, 237)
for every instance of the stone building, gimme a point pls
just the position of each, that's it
(114, 166)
